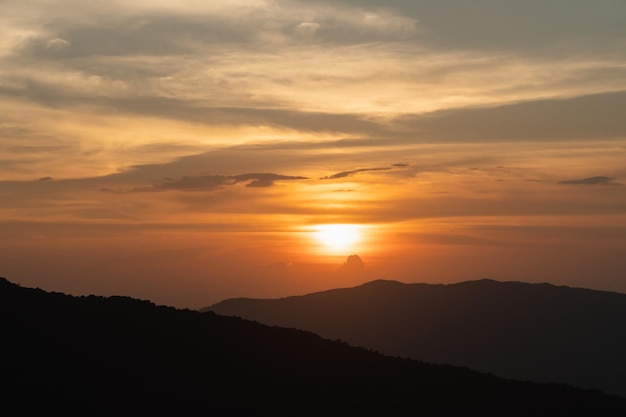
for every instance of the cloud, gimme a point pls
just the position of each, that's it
(600, 180)
(593, 116)
(264, 180)
(345, 174)
(355, 59)
(258, 25)
(307, 29)
(210, 182)
(352, 266)
(57, 44)
(187, 110)
(350, 173)
(492, 25)
(590, 116)
(204, 182)
(246, 64)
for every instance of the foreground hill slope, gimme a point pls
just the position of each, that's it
(537, 332)
(117, 356)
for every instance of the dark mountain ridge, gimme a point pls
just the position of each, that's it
(538, 332)
(119, 356)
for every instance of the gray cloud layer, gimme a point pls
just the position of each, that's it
(592, 116)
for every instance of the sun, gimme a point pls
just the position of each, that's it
(338, 237)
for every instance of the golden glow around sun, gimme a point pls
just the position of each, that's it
(338, 237)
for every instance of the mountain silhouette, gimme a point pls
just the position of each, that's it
(104, 356)
(537, 332)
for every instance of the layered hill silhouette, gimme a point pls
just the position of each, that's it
(119, 356)
(537, 332)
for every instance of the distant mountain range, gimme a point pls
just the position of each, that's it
(536, 332)
(97, 356)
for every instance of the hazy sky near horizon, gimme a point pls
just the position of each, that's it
(188, 151)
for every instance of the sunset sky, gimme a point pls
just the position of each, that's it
(187, 151)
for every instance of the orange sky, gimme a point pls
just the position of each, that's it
(186, 152)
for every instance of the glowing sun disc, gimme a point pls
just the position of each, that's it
(338, 237)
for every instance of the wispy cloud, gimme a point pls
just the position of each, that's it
(345, 174)
(600, 180)
(210, 182)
